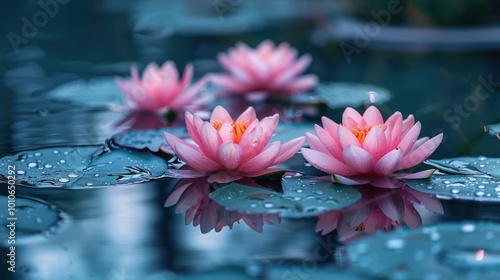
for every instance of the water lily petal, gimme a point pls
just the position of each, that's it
(375, 143)
(289, 149)
(358, 159)
(262, 160)
(326, 162)
(230, 155)
(422, 152)
(389, 162)
(373, 117)
(409, 139)
(194, 158)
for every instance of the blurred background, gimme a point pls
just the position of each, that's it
(439, 59)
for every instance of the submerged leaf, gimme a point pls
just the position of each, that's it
(96, 93)
(340, 95)
(300, 198)
(79, 167)
(151, 139)
(31, 217)
(446, 251)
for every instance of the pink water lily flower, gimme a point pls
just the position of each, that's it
(378, 209)
(365, 149)
(160, 89)
(226, 150)
(269, 69)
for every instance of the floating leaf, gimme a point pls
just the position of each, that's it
(77, 167)
(28, 217)
(340, 95)
(446, 251)
(461, 187)
(300, 198)
(493, 129)
(93, 93)
(468, 166)
(151, 139)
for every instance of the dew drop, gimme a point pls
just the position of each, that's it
(38, 220)
(446, 182)
(253, 205)
(72, 175)
(395, 244)
(318, 192)
(38, 154)
(62, 161)
(55, 152)
(299, 190)
(435, 236)
(48, 166)
(468, 228)
(479, 193)
(32, 164)
(268, 204)
(20, 172)
(63, 180)
(455, 191)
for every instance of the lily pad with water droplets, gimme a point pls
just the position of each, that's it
(79, 167)
(96, 93)
(151, 139)
(340, 95)
(445, 251)
(30, 217)
(468, 166)
(464, 178)
(300, 198)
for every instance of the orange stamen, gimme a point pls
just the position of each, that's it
(361, 132)
(238, 130)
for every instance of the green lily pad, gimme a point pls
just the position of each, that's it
(300, 198)
(95, 93)
(79, 167)
(151, 139)
(468, 166)
(462, 187)
(341, 95)
(464, 250)
(23, 217)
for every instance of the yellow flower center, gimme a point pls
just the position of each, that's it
(238, 130)
(361, 227)
(361, 132)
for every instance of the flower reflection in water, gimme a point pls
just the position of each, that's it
(378, 209)
(190, 195)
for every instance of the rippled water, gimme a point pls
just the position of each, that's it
(125, 232)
